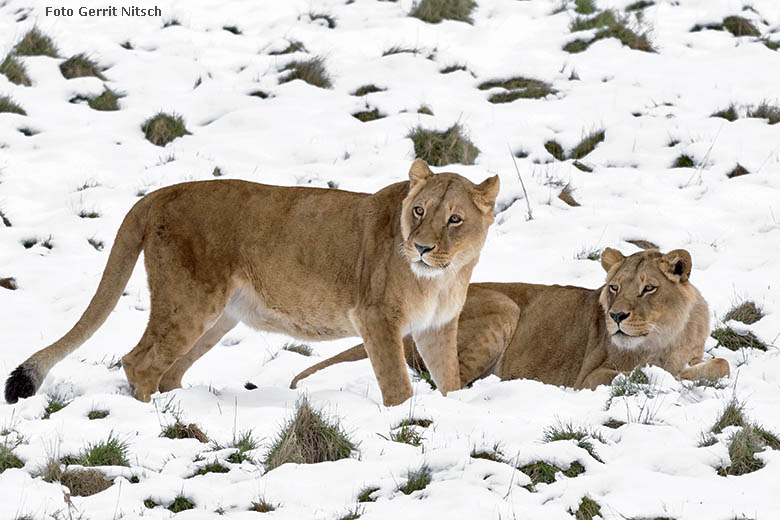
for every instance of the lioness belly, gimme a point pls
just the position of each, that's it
(248, 307)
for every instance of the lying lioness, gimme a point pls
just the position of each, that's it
(311, 263)
(647, 312)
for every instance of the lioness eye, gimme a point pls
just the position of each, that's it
(613, 288)
(418, 211)
(649, 289)
(455, 219)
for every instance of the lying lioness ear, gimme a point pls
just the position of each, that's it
(485, 194)
(676, 265)
(610, 257)
(419, 171)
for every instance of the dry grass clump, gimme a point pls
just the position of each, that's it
(8, 105)
(162, 128)
(367, 89)
(368, 115)
(107, 101)
(733, 340)
(736, 25)
(588, 509)
(567, 195)
(179, 430)
(97, 414)
(261, 505)
(747, 312)
(609, 25)
(729, 113)
(312, 71)
(738, 171)
(442, 148)
(35, 43)
(7, 458)
(15, 71)
(435, 11)
(425, 109)
(517, 88)
(293, 46)
(308, 438)
(84, 482)
(588, 144)
(766, 111)
(80, 66)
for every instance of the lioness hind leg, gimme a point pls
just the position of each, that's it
(171, 379)
(712, 369)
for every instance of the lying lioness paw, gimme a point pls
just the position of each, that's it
(646, 312)
(312, 263)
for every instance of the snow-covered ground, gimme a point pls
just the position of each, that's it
(82, 160)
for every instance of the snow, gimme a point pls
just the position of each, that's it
(81, 159)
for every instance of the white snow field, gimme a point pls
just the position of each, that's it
(653, 108)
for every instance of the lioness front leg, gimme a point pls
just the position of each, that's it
(712, 369)
(382, 340)
(439, 350)
(601, 376)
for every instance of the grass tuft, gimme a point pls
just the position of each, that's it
(7, 458)
(328, 20)
(179, 430)
(293, 46)
(603, 19)
(181, 503)
(555, 149)
(638, 6)
(9, 283)
(212, 467)
(540, 472)
(630, 384)
(244, 443)
(232, 29)
(15, 71)
(354, 513)
(54, 404)
(416, 480)
(149, 503)
(35, 43)
(97, 414)
(733, 340)
(261, 505)
(365, 494)
(609, 25)
(80, 66)
(684, 161)
(588, 509)
(84, 482)
(494, 454)
(425, 109)
(517, 88)
(568, 431)
(299, 348)
(163, 128)
(453, 68)
(738, 171)
(739, 26)
(747, 312)
(766, 111)
(729, 113)
(8, 105)
(367, 89)
(312, 71)
(111, 452)
(407, 434)
(732, 415)
(442, 148)
(435, 11)
(308, 438)
(585, 6)
(614, 424)
(368, 115)
(107, 101)
(588, 144)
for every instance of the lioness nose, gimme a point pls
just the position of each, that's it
(423, 249)
(619, 316)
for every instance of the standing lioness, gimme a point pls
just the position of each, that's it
(647, 312)
(312, 263)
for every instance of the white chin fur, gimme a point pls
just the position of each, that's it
(627, 342)
(425, 271)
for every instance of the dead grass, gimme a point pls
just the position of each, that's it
(587, 144)
(435, 11)
(567, 196)
(766, 110)
(733, 340)
(729, 113)
(738, 171)
(35, 43)
(517, 88)
(8, 105)
(107, 101)
(162, 128)
(180, 430)
(443, 148)
(308, 438)
(368, 115)
(293, 46)
(453, 68)
(15, 71)
(367, 89)
(261, 505)
(312, 71)
(80, 66)
(747, 312)
(84, 482)
(739, 26)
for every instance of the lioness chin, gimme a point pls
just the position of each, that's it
(647, 312)
(312, 263)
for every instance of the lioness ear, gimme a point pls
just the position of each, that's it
(486, 193)
(419, 171)
(610, 257)
(676, 265)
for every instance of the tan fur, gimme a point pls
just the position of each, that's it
(565, 335)
(312, 263)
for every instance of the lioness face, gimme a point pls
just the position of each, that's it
(646, 297)
(444, 220)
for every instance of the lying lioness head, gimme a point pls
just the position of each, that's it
(646, 312)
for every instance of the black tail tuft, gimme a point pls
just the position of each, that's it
(20, 384)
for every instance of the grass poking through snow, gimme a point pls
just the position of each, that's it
(8, 105)
(15, 71)
(417, 480)
(80, 66)
(517, 88)
(443, 148)
(162, 128)
(766, 111)
(307, 438)
(299, 348)
(35, 43)
(733, 340)
(312, 71)
(435, 11)
(747, 312)
(180, 430)
(609, 25)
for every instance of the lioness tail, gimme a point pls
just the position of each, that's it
(25, 380)
(355, 353)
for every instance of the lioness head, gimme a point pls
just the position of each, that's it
(444, 220)
(647, 298)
